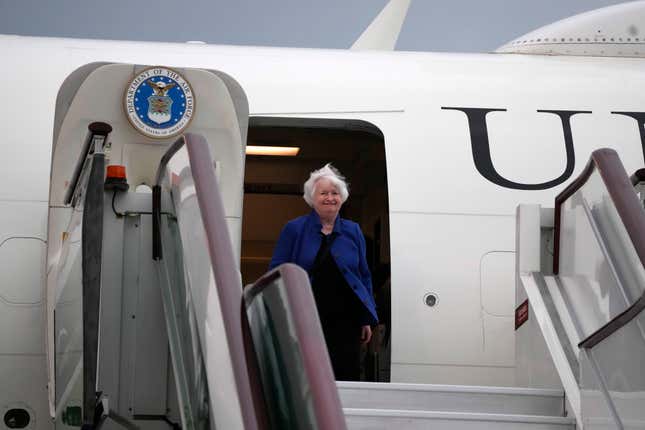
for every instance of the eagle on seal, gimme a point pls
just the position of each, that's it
(160, 88)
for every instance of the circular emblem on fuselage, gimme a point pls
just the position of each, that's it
(159, 102)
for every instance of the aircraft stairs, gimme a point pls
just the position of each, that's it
(422, 406)
(580, 291)
(153, 327)
(578, 309)
(148, 325)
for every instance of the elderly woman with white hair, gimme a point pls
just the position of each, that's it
(332, 251)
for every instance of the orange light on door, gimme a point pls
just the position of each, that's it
(115, 178)
(115, 171)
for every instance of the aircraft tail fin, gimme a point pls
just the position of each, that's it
(383, 32)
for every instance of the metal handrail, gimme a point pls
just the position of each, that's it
(631, 213)
(165, 159)
(99, 130)
(621, 191)
(310, 339)
(614, 325)
(223, 265)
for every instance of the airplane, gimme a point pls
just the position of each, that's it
(439, 149)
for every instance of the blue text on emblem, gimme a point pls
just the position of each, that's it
(159, 102)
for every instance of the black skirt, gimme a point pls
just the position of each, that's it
(339, 310)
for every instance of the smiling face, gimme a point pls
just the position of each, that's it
(326, 199)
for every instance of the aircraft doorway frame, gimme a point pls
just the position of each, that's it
(273, 195)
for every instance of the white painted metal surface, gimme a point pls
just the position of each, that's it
(384, 31)
(622, 375)
(614, 31)
(558, 355)
(447, 220)
(378, 419)
(482, 345)
(529, 267)
(451, 398)
(421, 138)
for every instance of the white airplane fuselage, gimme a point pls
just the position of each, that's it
(467, 138)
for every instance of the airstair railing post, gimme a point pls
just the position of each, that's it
(156, 223)
(96, 137)
(92, 245)
(156, 197)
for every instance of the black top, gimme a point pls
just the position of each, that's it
(335, 301)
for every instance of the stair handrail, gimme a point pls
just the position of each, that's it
(631, 213)
(317, 369)
(223, 264)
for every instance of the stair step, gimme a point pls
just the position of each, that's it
(452, 398)
(376, 419)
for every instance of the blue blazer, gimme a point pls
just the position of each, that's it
(299, 243)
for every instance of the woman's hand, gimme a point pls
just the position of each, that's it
(366, 334)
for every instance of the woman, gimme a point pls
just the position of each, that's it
(332, 251)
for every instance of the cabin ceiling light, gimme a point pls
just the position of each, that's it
(283, 151)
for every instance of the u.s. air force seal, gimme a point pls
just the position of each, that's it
(159, 102)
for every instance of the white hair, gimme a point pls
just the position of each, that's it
(327, 172)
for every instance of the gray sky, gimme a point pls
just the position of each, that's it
(453, 25)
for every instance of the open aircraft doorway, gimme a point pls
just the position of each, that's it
(273, 186)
